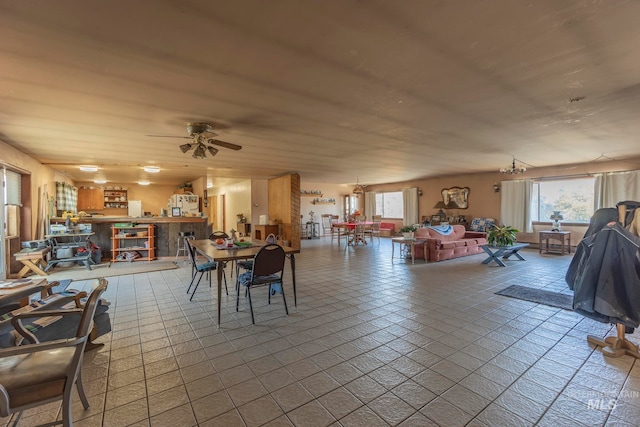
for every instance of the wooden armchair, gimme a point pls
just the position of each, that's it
(37, 374)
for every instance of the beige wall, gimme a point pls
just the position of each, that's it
(484, 202)
(43, 180)
(329, 191)
(259, 199)
(237, 200)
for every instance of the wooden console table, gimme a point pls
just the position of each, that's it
(562, 236)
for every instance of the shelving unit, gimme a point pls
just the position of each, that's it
(116, 199)
(325, 201)
(127, 238)
(310, 193)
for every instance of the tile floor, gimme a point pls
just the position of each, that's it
(372, 343)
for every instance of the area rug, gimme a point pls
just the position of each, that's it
(540, 296)
(77, 273)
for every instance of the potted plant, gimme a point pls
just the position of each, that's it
(502, 235)
(407, 231)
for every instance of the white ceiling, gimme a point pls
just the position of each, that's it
(379, 91)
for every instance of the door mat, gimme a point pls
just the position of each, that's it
(540, 296)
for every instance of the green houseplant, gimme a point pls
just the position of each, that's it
(502, 235)
(407, 231)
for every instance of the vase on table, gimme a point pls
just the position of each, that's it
(408, 235)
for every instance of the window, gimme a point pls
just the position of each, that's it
(12, 202)
(572, 197)
(390, 205)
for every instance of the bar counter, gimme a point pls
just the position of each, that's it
(167, 230)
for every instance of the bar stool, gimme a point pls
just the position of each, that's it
(182, 246)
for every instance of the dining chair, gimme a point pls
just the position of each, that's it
(33, 375)
(268, 269)
(205, 267)
(374, 229)
(218, 235)
(326, 224)
(222, 235)
(359, 234)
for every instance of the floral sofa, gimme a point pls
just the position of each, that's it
(457, 244)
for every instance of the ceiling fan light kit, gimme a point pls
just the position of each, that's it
(201, 143)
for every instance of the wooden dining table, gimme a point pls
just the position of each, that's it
(210, 250)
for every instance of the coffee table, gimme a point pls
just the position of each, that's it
(497, 252)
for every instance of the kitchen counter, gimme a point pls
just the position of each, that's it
(167, 230)
(137, 220)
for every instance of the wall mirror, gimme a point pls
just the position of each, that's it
(456, 197)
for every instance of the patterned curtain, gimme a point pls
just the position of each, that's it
(66, 196)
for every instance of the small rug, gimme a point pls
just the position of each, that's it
(77, 273)
(540, 296)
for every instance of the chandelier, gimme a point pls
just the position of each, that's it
(512, 169)
(359, 188)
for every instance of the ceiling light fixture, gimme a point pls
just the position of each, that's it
(512, 169)
(100, 181)
(199, 152)
(185, 147)
(143, 183)
(152, 169)
(359, 188)
(88, 168)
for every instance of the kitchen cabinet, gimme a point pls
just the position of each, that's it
(116, 199)
(90, 199)
(133, 242)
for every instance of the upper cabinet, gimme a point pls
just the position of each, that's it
(90, 198)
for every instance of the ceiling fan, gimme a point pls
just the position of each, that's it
(202, 140)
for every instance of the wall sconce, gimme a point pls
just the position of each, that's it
(419, 192)
(496, 188)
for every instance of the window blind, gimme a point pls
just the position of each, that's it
(13, 195)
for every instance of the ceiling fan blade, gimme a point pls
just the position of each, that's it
(225, 144)
(168, 136)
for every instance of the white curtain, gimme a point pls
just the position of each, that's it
(410, 201)
(515, 204)
(370, 204)
(614, 187)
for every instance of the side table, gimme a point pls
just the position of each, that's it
(312, 230)
(407, 244)
(562, 236)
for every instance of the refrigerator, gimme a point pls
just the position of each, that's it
(188, 204)
(135, 208)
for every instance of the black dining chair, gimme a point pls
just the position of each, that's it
(205, 267)
(268, 269)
